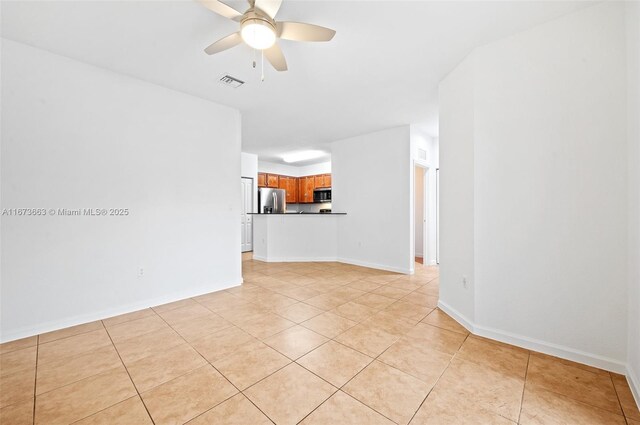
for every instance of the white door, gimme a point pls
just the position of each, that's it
(246, 219)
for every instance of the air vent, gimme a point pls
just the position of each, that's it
(230, 81)
(422, 154)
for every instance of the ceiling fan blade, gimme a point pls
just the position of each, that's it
(298, 31)
(221, 9)
(270, 7)
(224, 43)
(276, 58)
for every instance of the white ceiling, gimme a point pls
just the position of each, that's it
(382, 68)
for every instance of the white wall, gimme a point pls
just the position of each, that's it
(294, 170)
(527, 124)
(457, 254)
(77, 136)
(633, 135)
(372, 184)
(249, 169)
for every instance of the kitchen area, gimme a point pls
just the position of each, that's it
(293, 219)
(279, 194)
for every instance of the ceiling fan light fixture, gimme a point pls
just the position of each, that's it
(258, 33)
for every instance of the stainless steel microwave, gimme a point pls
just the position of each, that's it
(322, 195)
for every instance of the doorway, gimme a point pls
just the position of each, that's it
(437, 216)
(246, 221)
(420, 214)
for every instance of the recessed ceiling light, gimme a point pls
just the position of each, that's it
(301, 156)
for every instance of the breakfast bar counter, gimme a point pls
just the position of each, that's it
(295, 237)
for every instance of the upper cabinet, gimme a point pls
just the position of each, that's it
(269, 180)
(272, 180)
(322, 181)
(292, 190)
(290, 185)
(298, 189)
(305, 189)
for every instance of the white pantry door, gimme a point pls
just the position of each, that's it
(246, 219)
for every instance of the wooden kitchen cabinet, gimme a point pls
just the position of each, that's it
(262, 180)
(322, 181)
(268, 180)
(282, 183)
(272, 180)
(299, 189)
(290, 185)
(305, 189)
(292, 190)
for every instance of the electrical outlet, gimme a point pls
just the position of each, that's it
(140, 271)
(465, 282)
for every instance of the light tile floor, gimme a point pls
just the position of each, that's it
(303, 343)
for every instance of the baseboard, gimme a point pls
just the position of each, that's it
(295, 259)
(456, 315)
(634, 384)
(376, 266)
(551, 349)
(332, 259)
(104, 314)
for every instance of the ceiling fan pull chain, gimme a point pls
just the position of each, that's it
(254, 58)
(262, 78)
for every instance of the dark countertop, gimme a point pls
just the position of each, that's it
(306, 213)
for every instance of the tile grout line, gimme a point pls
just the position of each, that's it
(203, 357)
(373, 359)
(91, 376)
(339, 389)
(438, 380)
(524, 387)
(328, 340)
(35, 380)
(238, 389)
(70, 336)
(575, 400)
(593, 406)
(334, 288)
(128, 374)
(626, 421)
(214, 368)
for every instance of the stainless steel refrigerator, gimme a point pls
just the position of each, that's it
(272, 200)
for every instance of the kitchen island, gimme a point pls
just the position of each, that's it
(295, 237)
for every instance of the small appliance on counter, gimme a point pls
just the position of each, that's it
(272, 201)
(322, 195)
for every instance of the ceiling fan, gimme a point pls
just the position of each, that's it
(259, 30)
